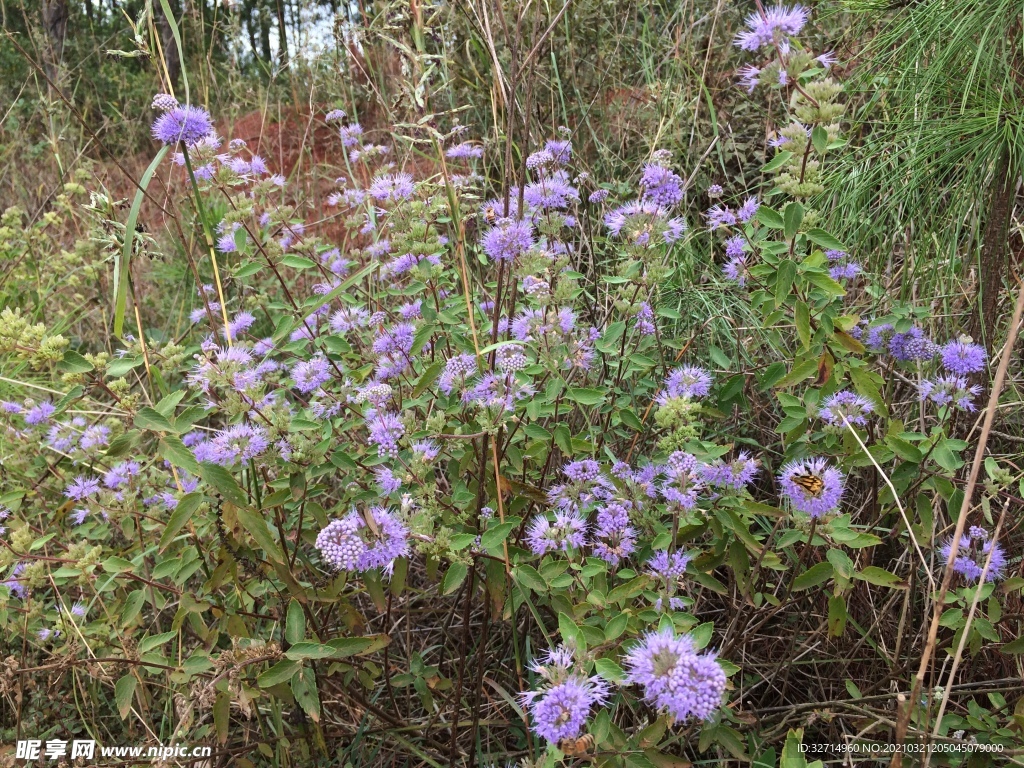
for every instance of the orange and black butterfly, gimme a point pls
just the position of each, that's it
(810, 483)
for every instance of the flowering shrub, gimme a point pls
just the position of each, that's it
(444, 399)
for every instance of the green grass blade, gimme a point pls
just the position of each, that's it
(165, 6)
(121, 265)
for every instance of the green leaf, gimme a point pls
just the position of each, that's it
(454, 577)
(792, 757)
(172, 449)
(803, 324)
(819, 138)
(609, 670)
(872, 574)
(120, 366)
(615, 627)
(770, 218)
(149, 643)
(571, 633)
(825, 240)
(784, 281)
(281, 672)
(74, 363)
(528, 576)
(257, 527)
(813, 576)
(702, 634)
(1013, 648)
(182, 513)
(563, 439)
(152, 419)
(76, 392)
(585, 395)
(494, 536)
(295, 623)
(121, 266)
(297, 262)
(792, 217)
(124, 692)
(800, 372)
(225, 483)
(826, 283)
(300, 651)
(777, 162)
(304, 688)
(117, 565)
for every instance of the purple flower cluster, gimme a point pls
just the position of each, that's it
(974, 550)
(950, 390)
(772, 27)
(961, 357)
(846, 407)
(186, 124)
(561, 705)
(676, 678)
(688, 381)
(568, 531)
(359, 542)
(812, 486)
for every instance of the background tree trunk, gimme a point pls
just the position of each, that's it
(172, 60)
(994, 260)
(55, 25)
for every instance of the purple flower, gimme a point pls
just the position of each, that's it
(349, 544)
(614, 538)
(748, 210)
(737, 474)
(559, 149)
(311, 374)
(661, 186)
(684, 480)
(425, 450)
(749, 77)
(94, 436)
(561, 705)
(846, 405)
(334, 115)
(674, 677)
(568, 530)
(386, 481)
(961, 357)
(39, 414)
(456, 370)
(720, 216)
(183, 123)
(772, 27)
(82, 487)
(507, 240)
(394, 187)
(598, 196)
(464, 150)
(121, 474)
(974, 550)
(947, 389)
(386, 429)
(812, 486)
(669, 566)
(912, 345)
(687, 381)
